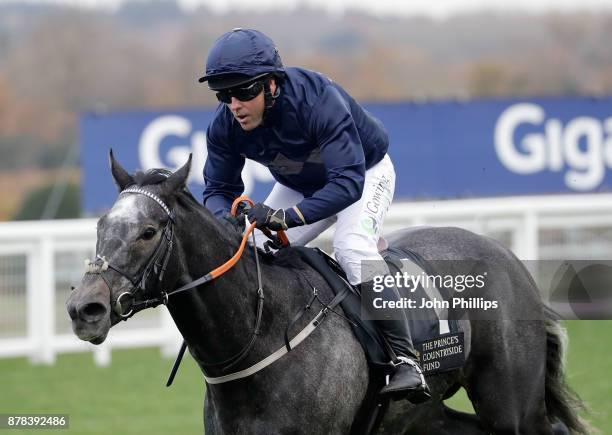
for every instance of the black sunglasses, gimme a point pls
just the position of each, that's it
(241, 93)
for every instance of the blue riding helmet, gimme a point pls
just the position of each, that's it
(240, 56)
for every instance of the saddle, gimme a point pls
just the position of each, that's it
(422, 330)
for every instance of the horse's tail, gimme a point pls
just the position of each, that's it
(562, 404)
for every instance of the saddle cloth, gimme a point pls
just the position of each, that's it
(423, 330)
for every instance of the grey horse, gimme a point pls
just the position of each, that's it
(513, 372)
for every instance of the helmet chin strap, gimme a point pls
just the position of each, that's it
(269, 99)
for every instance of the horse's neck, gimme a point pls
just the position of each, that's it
(218, 318)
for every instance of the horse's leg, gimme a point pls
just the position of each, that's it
(442, 420)
(505, 377)
(432, 417)
(210, 417)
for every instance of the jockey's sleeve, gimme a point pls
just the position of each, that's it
(333, 127)
(222, 179)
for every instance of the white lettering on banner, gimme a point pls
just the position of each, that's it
(584, 145)
(195, 142)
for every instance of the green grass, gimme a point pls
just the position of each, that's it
(129, 397)
(588, 370)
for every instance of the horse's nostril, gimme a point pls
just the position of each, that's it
(72, 311)
(93, 311)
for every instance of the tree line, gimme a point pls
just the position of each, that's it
(58, 61)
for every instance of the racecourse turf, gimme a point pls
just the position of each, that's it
(129, 396)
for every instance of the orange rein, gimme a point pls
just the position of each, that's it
(232, 261)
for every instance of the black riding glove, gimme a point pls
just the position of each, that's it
(267, 217)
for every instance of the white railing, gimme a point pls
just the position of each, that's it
(40, 328)
(39, 261)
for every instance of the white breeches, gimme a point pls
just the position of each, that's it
(359, 226)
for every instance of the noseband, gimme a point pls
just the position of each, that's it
(154, 268)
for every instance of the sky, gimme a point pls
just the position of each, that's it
(433, 8)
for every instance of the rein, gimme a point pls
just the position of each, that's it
(157, 264)
(163, 250)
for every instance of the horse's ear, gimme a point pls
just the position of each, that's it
(120, 175)
(178, 180)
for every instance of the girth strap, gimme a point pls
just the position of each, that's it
(301, 336)
(297, 317)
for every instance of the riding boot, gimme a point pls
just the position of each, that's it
(407, 381)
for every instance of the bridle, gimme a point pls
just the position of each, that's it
(154, 268)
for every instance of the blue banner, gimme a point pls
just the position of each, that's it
(440, 149)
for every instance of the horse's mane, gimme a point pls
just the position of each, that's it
(156, 176)
(152, 176)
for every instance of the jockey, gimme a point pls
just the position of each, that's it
(327, 155)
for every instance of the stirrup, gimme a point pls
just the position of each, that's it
(414, 397)
(410, 362)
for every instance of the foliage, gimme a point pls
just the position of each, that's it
(58, 61)
(69, 205)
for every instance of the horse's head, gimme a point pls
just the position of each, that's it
(134, 245)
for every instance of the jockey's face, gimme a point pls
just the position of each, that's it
(249, 114)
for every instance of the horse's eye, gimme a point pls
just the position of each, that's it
(149, 233)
